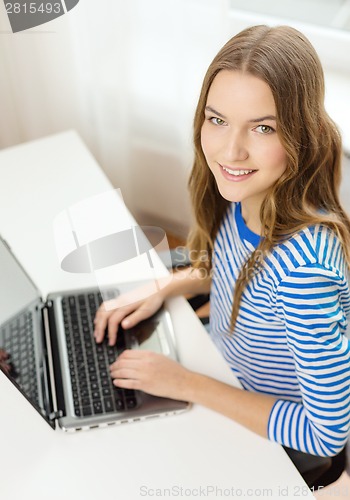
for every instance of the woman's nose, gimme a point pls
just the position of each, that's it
(235, 147)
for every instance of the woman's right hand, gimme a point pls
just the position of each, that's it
(126, 311)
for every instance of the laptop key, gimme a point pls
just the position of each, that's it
(119, 403)
(71, 300)
(108, 403)
(87, 411)
(107, 391)
(96, 396)
(99, 348)
(131, 402)
(85, 401)
(83, 384)
(97, 406)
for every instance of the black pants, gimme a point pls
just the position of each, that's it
(317, 471)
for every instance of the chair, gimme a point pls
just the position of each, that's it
(336, 469)
(318, 471)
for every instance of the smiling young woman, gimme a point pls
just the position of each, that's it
(264, 188)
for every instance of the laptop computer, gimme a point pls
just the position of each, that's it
(48, 352)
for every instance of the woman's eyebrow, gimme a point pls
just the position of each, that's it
(262, 118)
(212, 110)
(253, 120)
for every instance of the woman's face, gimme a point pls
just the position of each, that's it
(239, 137)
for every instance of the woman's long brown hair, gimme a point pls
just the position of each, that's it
(308, 192)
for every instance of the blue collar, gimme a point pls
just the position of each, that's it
(244, 231)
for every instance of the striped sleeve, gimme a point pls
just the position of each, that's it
(310, 301)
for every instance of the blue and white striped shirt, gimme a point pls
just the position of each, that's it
(289, 339)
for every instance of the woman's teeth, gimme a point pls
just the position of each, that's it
(238, 172)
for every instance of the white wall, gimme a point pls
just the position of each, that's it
(126, 76)
(169, 54)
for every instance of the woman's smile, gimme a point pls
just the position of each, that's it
(236, 175)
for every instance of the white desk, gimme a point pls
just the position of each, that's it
(198, 449)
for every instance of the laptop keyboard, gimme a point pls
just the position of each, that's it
(93, 391)
(17, 339)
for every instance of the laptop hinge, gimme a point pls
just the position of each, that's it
(55, 415)
(55, 376)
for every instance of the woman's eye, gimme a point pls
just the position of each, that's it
(264, 129)
(217, 121)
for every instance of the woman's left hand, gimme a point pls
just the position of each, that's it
(152, 373)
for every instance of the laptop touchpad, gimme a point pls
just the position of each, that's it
(148, 335)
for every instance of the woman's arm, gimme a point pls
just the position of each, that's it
(319, 424)
(313, 302)
(161, 376)
(250, 409)
(187, 281)
(128, 309)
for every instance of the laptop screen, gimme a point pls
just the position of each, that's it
(16, 288)
(22, 356)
